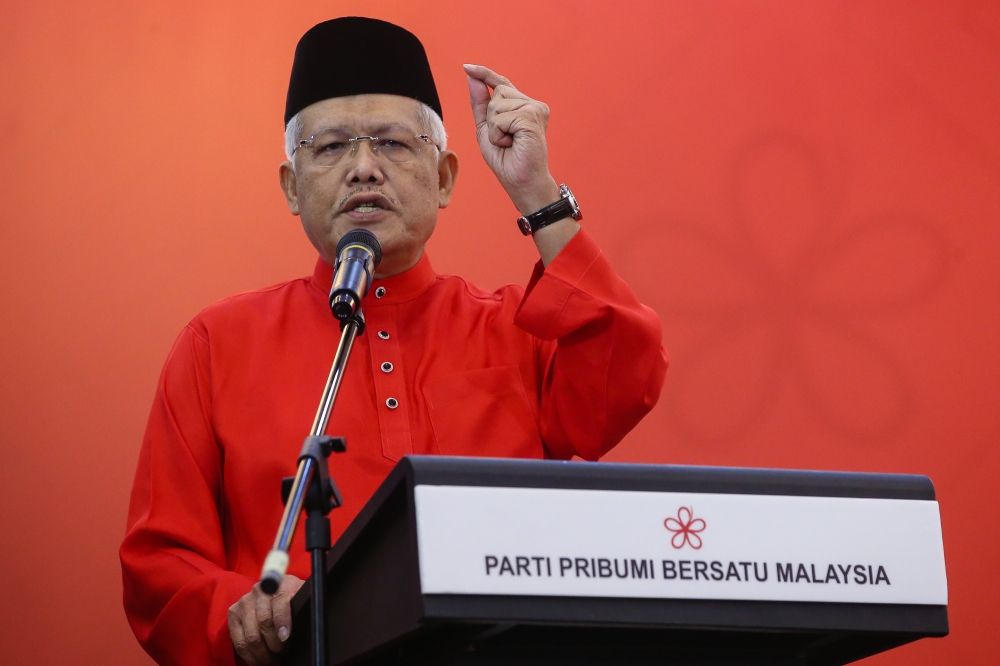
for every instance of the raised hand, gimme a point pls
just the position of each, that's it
(510, 128)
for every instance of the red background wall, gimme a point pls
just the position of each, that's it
(807, 193)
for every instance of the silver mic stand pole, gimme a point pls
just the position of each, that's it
(312, 488)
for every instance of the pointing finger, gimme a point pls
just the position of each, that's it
(487, 76)
(479, 96)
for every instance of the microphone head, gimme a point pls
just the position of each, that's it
(362, 237)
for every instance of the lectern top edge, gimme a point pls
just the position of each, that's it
(443, 470)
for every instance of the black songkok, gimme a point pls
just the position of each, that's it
(359, 56)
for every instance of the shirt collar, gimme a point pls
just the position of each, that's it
(398, 288)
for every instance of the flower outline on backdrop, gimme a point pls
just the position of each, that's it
(758, 294)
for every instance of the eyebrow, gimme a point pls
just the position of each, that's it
(374, 132)
(392, 126)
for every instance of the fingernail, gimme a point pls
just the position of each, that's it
(469, 64)
(283, 634)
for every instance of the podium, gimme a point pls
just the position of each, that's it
(471, 561)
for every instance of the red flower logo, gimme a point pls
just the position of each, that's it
(685, 528)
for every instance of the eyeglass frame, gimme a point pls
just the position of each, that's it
(302, 143)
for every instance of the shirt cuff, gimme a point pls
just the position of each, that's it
(551, 287)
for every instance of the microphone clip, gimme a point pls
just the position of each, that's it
(358, 319)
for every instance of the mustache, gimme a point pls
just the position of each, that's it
(367, 190)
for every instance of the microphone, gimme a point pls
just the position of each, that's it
(358, 254)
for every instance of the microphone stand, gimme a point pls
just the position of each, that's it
(313, 489)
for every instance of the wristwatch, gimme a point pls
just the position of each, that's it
(565, 207)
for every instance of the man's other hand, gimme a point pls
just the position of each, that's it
(259, 624)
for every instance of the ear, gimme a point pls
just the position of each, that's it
(289, 185)
(447, 173)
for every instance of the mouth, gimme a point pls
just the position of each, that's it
(366, 204)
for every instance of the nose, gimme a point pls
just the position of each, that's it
(364, 166)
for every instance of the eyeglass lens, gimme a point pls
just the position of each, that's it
(331, 147)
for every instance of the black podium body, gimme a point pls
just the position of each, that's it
(544, 607)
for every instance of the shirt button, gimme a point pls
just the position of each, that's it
(380, 292)
(392, 403)
(387, 367)
(384, 335)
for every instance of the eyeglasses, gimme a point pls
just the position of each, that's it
(333, 147)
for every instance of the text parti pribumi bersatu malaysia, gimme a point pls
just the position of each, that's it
(694, 570)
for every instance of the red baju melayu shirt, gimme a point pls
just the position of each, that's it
(566, 367)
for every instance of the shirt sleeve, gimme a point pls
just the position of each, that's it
(176, 589)
(600, 357)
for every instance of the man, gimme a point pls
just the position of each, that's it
(566, 367)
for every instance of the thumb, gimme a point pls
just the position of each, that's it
(281, 612)
(281, 608)
(479, 96)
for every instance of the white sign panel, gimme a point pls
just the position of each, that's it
(609, 543)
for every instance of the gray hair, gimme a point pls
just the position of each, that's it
(430, 121)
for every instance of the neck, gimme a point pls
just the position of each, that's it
(392, 266)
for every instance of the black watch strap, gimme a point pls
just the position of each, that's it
(565, 207)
